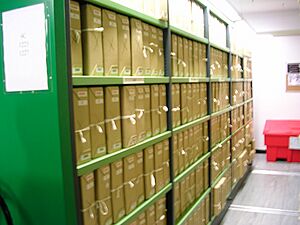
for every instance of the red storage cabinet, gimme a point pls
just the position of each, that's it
(277, 137)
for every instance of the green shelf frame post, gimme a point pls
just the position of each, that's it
(37, 164)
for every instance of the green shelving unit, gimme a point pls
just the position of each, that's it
(37, 142)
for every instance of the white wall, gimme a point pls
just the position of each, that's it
(271, 101)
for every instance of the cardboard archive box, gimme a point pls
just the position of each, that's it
(150, 180)
(203, 59)
(140, 177)
(112, 119)
(180, 57)
(160, 212)
(103, 195)
(140, 113)
(155, 110)
(124, 49)
(154, 53)
(82, 125)
(181, 152)
(199, 180)
(128, 108)
(174, 55)
(150, 215)
(147, 112)
(158, 166)
(175, 155)
(147, 49)
(142, 219)
(183, 103)
(163, 109)
(166, 162)
(76, 42)
(186, 57)
(196, 60)
(190, 59)
(117, 190)
(87, 184)
(189, 102)
(196, 141)
(186, 149)
(137, 47)
(110, 43)
(161, 57)
(177, 210)
(97, 121)
(91, 24)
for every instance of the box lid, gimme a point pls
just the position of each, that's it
(282, 127)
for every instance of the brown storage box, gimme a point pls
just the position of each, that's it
(147, 105)
(140, 177)
(103, 195)
(205, 176)
(163, 109)
(181, 152)
(183, 200)
(166, 159)
(129, 130)
(154, 55)
(206, 137)
(177, 101)
(150, 215)
(200, 140)
(155, 110)
(161, 57)
(175, 155)
(196, 59)
(147, 49)
(97, 121)
(117, 190)
(150, 180)
(91, 19)
(158, 166)
(87, 184)
(183, 103)
(130, 187)
(142, 219)
(137, 47)
(204, 60)
(190, 59)
(177, 209)
(194, 101)
(189, 102)
(196, 138)
(124, 50)
(186, 149)
(140, 113)
(174, 55)
(160, 211)
(75, 29)
(180, 57)
(191, 153)
(217, 195)
(186, 57)
(193, 185)
(110, 43)
(199, 181)
(207, 210)
(113, 124)
(81, 123)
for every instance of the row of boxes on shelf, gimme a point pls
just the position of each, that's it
(237, 118)
(236, 69)
(220, 159)
(188, 16)
(248, 90)
(106, 43)
(237, 92)
(200, 216)
(248, 107)
(155, 214)
(217, 31)
(189, 102)
(188, 57)
(190, 188)
(188, 146)
(247, 68)
(218, 63)
(111, 118)
(220, 193)
(115, 190)
(220, 96)
(220, 128)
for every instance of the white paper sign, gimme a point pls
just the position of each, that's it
(24, 42)
(294, 143)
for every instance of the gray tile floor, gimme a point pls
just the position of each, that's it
(271, 196)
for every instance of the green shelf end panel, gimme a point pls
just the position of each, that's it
(112, 157)
(144, 206)
(117, 80)
(36, 163)
(188, 35)
(190, 210)
(129, 12)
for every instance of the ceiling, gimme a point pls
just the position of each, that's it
(277, 17)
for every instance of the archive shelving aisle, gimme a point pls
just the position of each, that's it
(158, 134)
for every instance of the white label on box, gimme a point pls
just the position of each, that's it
(294, 143)
(133, 80)
(24, 42)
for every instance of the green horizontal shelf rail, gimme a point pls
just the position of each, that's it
(190, 124)
(224, 49)
(141, 208)
(112, 157)
(219, 79)
(188, 35)
(249, 100)
(221, 175)
(117, 80)
(190, 210)
(237, 79)
(191, 168)
(218, 113)
(129, 12)
(237, 105)
(189, 79)
(240, 128)
(219, 145)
